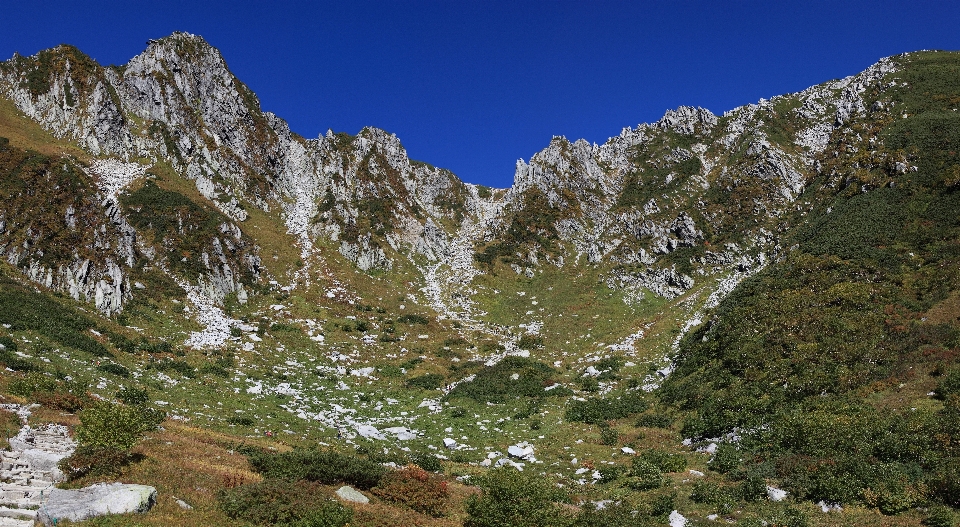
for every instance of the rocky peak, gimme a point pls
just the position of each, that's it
(687, 120)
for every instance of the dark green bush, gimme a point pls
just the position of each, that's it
(241, 420)
(528, 341)
(595, 411)
(115, 426)
(940, 516)
(428, 462)
(726, 458)
(949, 384)
(133, 396)
(665, 461)
(713, 494)
(325, 467)
(753, 488)
(516, 499)
(644, 475)
(427, 381)
(609, 436)
(496, 383)
(411, 318)
(283, 503)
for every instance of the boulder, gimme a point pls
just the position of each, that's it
(348, 493)
(96, 500)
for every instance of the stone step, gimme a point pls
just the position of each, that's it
(19, 514)
(11, 522)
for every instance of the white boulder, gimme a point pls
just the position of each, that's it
(96, 500)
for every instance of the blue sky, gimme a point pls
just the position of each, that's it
(473, 86)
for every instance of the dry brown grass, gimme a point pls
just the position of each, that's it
(27, 134)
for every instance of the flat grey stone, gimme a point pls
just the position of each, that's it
(96, 500)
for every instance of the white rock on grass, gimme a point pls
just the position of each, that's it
(776, 494)
(677, 520)
(627, 450)
(96, 500)
(348, 493)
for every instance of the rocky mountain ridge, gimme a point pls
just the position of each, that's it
(628, 203)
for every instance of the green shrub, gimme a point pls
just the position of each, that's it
(609, 436)
(133, 396)
(612, 515)
(428, 462)
(411, 318)
(496, 383)
(726, 458)
(610, 473)
(427, 381)
(596, 411)
(241, 420)
(753, 488)
(108, 425)
(713, 494)
(665, 461)
(644, 475)
(940, 516)
(286, 503)
(516, 499)
(949, 385)
(325, 467)
(528, 341)
(416, 488)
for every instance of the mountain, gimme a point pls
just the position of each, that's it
(780, 280)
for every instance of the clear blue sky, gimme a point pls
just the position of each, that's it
(473, 86)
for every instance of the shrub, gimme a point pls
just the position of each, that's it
(428, 462)
(416, 488)
(754, 488)
(133, 396)
(725, 459)
(528, 341)
(96, 462)
(949, 385)
(241, 420)
(108, 425)
(68, 396)
(279, 502)
(427, 381)
(513, 498)
(609, 436)
(940, 516)
(612, 515)
(596, 411)
(644, 475)
(609, 473)
(713, 494)
(115, 369)
(413, 319)
(665, 461)
(510, 378)
(321, 466)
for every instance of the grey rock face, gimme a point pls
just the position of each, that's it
(177, 102)
(96, 500)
